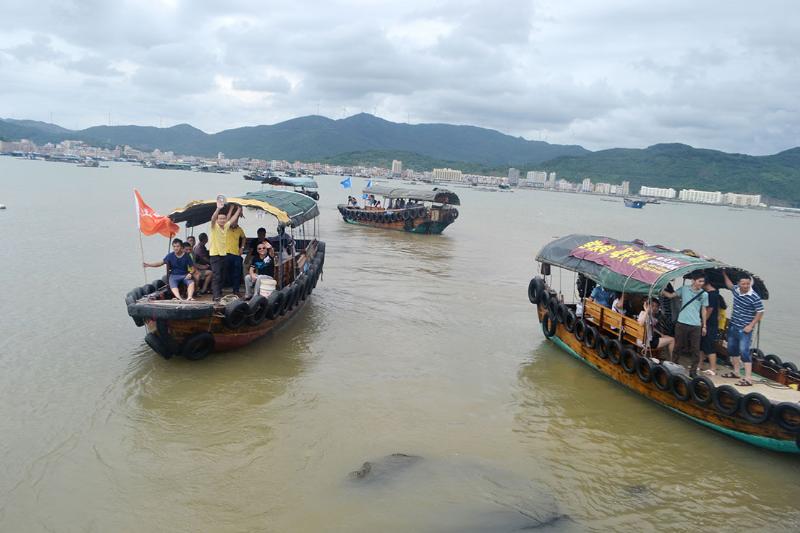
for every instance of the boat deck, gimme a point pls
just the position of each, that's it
(199, 300)
(770, 389)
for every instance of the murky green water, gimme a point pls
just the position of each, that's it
(412, 344)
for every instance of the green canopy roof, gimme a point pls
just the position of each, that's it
(436, 195)
(290, 208)
(308, 183)
(634, 266)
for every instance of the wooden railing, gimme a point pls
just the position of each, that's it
(614, 323)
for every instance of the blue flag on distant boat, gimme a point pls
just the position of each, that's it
(365, 195)
(346, 183)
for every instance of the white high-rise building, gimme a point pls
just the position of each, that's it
(537, 178)
(397, 168)
(446, 174)
(626, 188)
(742, 200)
(551, 181)
(586, 185)
(702, 197)
(513, 176)
(657, 192)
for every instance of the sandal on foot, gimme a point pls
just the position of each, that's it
(709, 372)
(744, 383)
(729, 375)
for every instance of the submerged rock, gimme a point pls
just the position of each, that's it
(456, 494)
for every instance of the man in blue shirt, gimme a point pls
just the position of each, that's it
(602, 296)
(178, 263)
(691, 323)
(748, 310)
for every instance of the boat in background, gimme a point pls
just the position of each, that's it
(301, 184)
(635, 203)
(766, 413)
(405, 210)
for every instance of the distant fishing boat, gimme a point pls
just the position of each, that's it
(634, 203)
(2, 206)
(301, 184)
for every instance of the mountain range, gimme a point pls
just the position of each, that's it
(366, 139)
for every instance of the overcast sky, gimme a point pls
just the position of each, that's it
(723, 75)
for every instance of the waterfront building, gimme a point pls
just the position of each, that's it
(586, 185)
(446, 174)
(657, 192)
(551, 181)
(626, 188)
(742, 200)
(537, 178)
(602, 188)
(513, 176)
(397, 168)
(701, 197)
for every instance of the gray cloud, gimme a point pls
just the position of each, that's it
(711, 74)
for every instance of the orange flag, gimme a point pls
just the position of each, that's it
(151, 222)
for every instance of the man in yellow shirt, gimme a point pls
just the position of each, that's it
(235, 241)
(218, 244)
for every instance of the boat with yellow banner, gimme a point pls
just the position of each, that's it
(765, 413)
(195, 328)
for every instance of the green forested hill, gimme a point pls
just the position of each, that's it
(680, 166)
(311, 138)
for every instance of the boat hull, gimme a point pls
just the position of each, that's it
(424, 224)
(767, 435)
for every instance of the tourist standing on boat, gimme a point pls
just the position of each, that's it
(179, 263)
(202, 263)
(218, 245)
(708, 342)
(261, 267)
(748, 310)
(233, 260)
(691, 323)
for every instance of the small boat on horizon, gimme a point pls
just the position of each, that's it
(301, 184)
(765, 413)
(411, 210)
(635, 203)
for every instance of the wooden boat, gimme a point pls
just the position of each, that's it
(413, 216)
(766, 414)
(301, 184)
(194, 329)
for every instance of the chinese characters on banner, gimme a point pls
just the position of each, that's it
(628, 260)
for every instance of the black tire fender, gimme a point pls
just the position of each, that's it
(661, 378)
(702, 390)
(590, 337)
(773, 361)
(157, 345)
(580, 330)
(628, 361)
(536, 290)
(756, 353)
(548, 325)
(571, 320)
(788, 365)
(614, 351)
(787, 409)
(285, 304)
(755, 417)
(274, 304)
(235, 314)
(679, 386)
(258, 307)
(562, 313)
(198, 346)
(734, 396)
(602, 346)
(644, 369)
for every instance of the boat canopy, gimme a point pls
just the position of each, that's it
(634, 266)
(437, 195)
(290, 208)
(308, 183)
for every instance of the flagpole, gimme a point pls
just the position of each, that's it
(139, 231)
